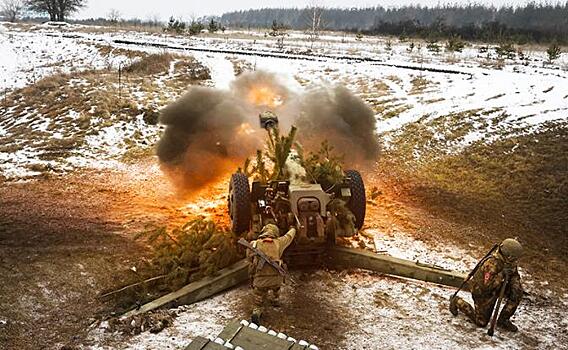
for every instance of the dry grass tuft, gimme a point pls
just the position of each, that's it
(419, 85)
(151, 64)
(107, 50)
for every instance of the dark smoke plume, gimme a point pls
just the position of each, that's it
(210, 132)
(336, 114)
(205, 137)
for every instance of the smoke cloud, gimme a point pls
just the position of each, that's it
(210, 132)
(205, 136)
(337, 115)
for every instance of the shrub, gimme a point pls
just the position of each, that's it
(455, 44)
(505, 50)
(553, 52)
(432, 46)
(151, 64)
(195, 28)
(175, 26)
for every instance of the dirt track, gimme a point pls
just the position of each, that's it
(65, 240)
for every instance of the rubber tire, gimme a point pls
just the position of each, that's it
(239, 203)
(358, 201)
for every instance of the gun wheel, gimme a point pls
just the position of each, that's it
(239, 203)
(358, 202)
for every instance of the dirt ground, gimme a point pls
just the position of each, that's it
(65, 240)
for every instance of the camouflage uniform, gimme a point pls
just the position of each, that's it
(485, 286)
(265, 279)
(342, 222)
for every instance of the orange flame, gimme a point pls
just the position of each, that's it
(264, 96)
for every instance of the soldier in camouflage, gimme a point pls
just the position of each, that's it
(265, 279)
(486, 284)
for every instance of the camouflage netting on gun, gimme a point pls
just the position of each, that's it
(290, 162)
(285, 159)
(182, 255)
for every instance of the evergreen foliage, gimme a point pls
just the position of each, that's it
(455, 44)
(278, 149)
(506, 50)
(323, 167)
(213, 26)
(277, 29)
(195, 27)
(553, 52)
(190, 252)
(175, 26)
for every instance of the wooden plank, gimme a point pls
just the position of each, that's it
(198, 343)
(199, 290)
(230, 330)
(394, 266)
(249, 338)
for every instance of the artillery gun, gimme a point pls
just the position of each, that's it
(320, 212)
(311, 207)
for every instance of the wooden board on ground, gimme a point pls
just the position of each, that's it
(238, 334)
(201, 343)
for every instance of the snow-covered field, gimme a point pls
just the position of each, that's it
(494, 98)
(517, 98)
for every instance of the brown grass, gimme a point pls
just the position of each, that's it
(419, 85)
(70, 108)
(521, 179)
(107, 50)
(240, 65)
(151, 64)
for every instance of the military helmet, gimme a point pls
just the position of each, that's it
(511, 249)
(270, 230)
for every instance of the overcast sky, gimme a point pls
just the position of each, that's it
(144, 9)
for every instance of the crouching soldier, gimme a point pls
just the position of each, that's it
(500, 267)
(266, 269)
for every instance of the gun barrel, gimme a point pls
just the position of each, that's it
(268, 120)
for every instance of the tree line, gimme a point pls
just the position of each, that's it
(530, 23)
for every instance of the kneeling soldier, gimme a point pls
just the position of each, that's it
(266, 280)
(486, 283)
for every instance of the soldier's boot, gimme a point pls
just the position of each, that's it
(504, 321)
(458, 304)
(256, 315)
(273, 298)
(507, 325)
(453, 306)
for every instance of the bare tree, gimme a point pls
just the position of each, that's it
(12, 9)
(57, 10)
(114, 16)
(314, 22)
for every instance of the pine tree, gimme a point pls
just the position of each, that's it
(553, 52)
(213, 26)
